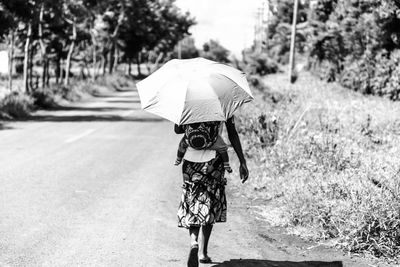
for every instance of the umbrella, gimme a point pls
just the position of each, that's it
(194, 90)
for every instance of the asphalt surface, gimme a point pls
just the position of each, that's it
(93, 184)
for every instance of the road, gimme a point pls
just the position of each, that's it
(93, 184)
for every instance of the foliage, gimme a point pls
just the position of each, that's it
(277, 44)
(329, 159)
(160, 30)
(188, 49)
(93, 35)
(260, 64)
(16, 105)
(356, 43)
(215, 51)
(44, 99)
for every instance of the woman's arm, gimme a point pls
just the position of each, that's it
(237, 146)
(179, 129)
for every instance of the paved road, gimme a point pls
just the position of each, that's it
(93, 184)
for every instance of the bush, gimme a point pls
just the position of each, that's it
(261, 64)
(255, 63)
(213, 50)
(44, 99)
(358, 74)
(377, 76)
(116, 81)
(391, 88)
(17, 105)
(356, 43)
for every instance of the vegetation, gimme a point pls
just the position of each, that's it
(87, 38)
(277, 45)
(356, 43)
(215, 51)
(66, 48)
(16, 105)
(329, 159)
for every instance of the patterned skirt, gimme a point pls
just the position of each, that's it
(203, 198)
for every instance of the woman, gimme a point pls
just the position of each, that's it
(203, 200)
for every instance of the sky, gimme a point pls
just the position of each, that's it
(231, 22)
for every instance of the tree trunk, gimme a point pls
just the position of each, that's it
(26, 58)
(116, 59)
(42, 47)
(58, 69)
(113, 39)
(148, 62)
(70, 52)
(11, 60)
(160, 56)
(68, 63)
(103, 64)
(48, 73)
(110, 59)
(61, 71)
(94, 62)
(44, 71)
(129, 67)
(82, 74)
(138, 62)
(37, 81)
(94, 43)
(30, 66)
(87, 69)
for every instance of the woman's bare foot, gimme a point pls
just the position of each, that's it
(205, 259)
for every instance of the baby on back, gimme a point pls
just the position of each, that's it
(203, 135)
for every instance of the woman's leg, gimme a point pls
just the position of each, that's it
(205, 237)
(193, 259)
(194, 235)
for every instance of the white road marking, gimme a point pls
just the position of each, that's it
(77, 137)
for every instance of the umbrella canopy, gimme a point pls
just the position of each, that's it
(194, 90)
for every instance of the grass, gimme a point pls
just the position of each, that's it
(329, 159)
(17, 105)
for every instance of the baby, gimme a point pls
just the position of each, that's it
(197, 142)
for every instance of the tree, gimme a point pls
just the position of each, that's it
(153, 26)
(65, 32)
(188, 49)
(215, 51)
(77, 19)
(22, 11)
(8, 25)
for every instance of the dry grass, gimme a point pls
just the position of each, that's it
(17, 105)
(330, 159)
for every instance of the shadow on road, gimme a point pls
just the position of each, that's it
(88, 118)
(124, 101)
(97, 109)
(268, 263)
(4, 127)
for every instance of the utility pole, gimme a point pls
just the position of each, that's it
(258, 30)
(180, 49)
(265, 23)
(292, 77)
